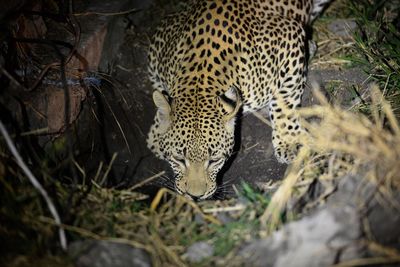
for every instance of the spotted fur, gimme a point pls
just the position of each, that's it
(211, 60)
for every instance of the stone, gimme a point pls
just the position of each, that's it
(101, 35)
(325, 237)
(55, 109)
(311, 241)
(199, 251)
(97, 253)
(342, 27)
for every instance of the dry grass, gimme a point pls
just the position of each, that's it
(332, 48)
(340, 142)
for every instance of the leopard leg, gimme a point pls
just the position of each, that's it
(286, 128)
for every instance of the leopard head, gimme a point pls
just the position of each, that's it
(196, 137)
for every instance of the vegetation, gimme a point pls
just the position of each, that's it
(377, 45)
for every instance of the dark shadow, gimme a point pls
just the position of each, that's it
(229, 162)
(102, 132)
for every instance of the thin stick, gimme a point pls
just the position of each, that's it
(32, 132)
(369, 261)
(12, 79)
(36, 184)
(106, 13)
(146, 181)
(259, 116)
(116, 120)
(225, 209)
(90, 234)
(114, 156)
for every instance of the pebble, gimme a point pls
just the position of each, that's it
(199, 251)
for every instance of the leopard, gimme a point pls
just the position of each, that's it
(218, 59)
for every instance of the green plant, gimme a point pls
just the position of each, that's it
(228, 235)
(253, 195)
(377, 44)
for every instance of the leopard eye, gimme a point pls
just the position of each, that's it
(179, 160)
(214, 162)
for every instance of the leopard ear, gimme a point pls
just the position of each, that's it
(163, 110)
(231, 103)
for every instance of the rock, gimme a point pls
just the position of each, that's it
(101, 36)
(325, 237)
(342, 80)
(224, 217)
(384, 223)
(94, 253)
(311, 241)
(199, 251)
(342, 27)
(382, 216)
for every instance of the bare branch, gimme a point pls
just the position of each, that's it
(35, 183)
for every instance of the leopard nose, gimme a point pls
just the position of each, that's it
(194, 198)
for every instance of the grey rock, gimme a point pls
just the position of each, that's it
(320, 239)
(342, 27)
(199, 251)
(384, 222)
(349, 76)
(382, 217)
(312, 241)
(224, 218)
(93, 253)
(343, 80)
(312, 48)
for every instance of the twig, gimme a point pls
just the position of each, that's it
(369, 261)
(123, 68)
(259, 116)
(237, 207)
(90, 234)
(114, 156)
(42, 74)
(106, 13)
(116, 120)
(32, 132)
(146, 181)
(97, 175)
(12, 79)
(36, 184)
